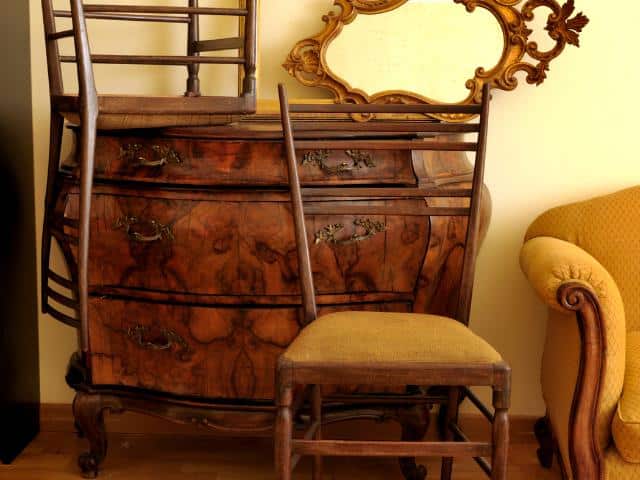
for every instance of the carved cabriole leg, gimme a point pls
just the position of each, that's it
(88, 410)
(451, 416)
(316, 416)
(415, 423)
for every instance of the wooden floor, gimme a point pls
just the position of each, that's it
(168, 453)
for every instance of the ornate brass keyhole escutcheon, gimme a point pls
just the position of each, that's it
(162, 155)
(320, 159)
(329, 233)
(154, 231)
(165, 340)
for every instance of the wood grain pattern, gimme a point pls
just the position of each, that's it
(222, 247)
(224, 353)
(200, 162)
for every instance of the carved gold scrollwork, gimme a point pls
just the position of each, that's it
(162, 155)
(329, 233)
(308, 64)
(319, 158)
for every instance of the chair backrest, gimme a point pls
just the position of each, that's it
(193, 102)
(360, 198)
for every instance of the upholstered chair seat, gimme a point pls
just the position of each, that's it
(380, 337)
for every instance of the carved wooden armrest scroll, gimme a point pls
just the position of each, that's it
(307, 62)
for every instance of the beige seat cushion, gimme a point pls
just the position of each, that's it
(626, 422)
(389, 337)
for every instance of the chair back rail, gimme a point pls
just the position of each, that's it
(89, 105)
(361, 201)
(190, 15)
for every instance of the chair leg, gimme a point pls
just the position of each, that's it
(453, 406)
(284, 433)
(501, 403)
(500, 444)
(316, 416)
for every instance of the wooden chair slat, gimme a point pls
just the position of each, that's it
(232, 43)
(374, 127)
(381, 193)
(62, 317)
(156, 60)
(386, 108)
(154, 9)
(127, 17)
(386, 145)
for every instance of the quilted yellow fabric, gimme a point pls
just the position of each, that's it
(626, 423)
(608, 228)
(616, 468)
(548, 263)
(386, 337)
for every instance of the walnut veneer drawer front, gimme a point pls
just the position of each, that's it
(206, 162)
(194, 351)
(210, 352)
(243, 244)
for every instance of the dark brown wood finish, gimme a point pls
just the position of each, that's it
(292, 374)
(89, 107)
(419, 271)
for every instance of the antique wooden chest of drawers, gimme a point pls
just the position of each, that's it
(193, 271)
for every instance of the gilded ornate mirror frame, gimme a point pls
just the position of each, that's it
(307, 61)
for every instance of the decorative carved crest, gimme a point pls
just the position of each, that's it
(308, 64)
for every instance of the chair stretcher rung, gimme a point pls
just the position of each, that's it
(344, 448)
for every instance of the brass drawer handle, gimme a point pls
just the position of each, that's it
(162, 154)
(359, 160)
(371, 229)
(167, 340)
(158, 230)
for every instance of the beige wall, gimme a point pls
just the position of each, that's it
(572, 138)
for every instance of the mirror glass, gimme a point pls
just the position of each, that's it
(428, 47)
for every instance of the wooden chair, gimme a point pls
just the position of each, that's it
(93, 112)
(375, 349)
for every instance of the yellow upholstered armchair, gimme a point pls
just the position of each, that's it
(583, 260)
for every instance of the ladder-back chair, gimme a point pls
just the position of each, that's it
(382, 348)
(93, 112)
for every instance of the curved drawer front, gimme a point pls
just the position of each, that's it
(193, 351)
(209, 162)
(210, 352)
(216, 245)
